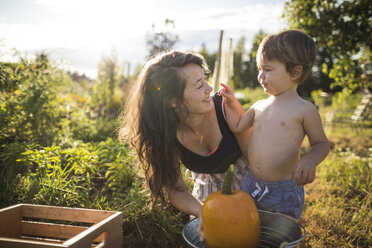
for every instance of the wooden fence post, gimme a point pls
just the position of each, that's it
(217, 65)
(230, 63)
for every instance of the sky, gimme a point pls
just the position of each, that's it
(77, 33)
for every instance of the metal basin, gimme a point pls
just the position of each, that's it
(276, 229)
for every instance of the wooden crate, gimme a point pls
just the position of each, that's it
(29, 226)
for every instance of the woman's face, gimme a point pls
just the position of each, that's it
(197, 91)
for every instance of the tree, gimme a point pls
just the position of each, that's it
(210, 58)
(108, 80)
(158, 41)
(341, 29)
(239, 53)
(250, 66)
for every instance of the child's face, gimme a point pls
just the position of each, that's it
(274, 78)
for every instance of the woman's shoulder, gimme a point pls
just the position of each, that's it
(216, 97)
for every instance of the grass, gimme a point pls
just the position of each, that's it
(337, 209)
(338, 203)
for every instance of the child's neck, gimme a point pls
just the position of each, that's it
(292, 91)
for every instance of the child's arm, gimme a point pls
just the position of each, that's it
(304, 172)
(237, 119)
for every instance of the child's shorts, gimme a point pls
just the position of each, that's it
(284, 196)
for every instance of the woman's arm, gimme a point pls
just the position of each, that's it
(183, 200)
(186, 203)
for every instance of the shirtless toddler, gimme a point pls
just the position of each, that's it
(280, 124)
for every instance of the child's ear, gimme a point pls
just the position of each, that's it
(297, 72)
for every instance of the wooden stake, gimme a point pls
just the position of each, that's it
(217, 65)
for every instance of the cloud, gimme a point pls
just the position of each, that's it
(204, 26)
(251, 16)
(82, 31)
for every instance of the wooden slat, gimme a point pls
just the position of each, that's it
(50, 230)
(57, 231)
(111, 227)
(10, 222)
(53, 241)
(19, 243)
(63, 213)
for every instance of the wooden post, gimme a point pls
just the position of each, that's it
(230, 64)
(217, 65)
(10, 221)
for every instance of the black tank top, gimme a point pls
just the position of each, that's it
(227, 152)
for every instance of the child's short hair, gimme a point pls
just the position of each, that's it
(290, 47)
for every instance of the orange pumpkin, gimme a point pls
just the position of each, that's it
(230, 217)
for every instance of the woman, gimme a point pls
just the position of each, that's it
(171, 119)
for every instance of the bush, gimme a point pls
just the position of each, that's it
(30, 106)
(76, 176)
(91, 129)
(248, 96)
(11, 171)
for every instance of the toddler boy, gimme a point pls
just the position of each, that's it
(280, 122)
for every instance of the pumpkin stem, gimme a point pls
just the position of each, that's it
(227, 181)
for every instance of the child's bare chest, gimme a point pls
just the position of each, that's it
(281, 117)
(275, 142)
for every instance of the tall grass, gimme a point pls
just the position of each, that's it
(339, 202)
(97, 176)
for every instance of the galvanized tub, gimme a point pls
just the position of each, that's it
(276, 230)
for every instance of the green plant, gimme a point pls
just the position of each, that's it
(320, 98)
(64, 177)
(30, 106)
(11, 171)
(248, 96)
(349, 174)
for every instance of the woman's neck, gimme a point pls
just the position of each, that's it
(194, 122)
(200, 133)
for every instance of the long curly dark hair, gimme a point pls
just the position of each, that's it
(149, 121)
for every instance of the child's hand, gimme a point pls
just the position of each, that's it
(304, 172)
(226, 92)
